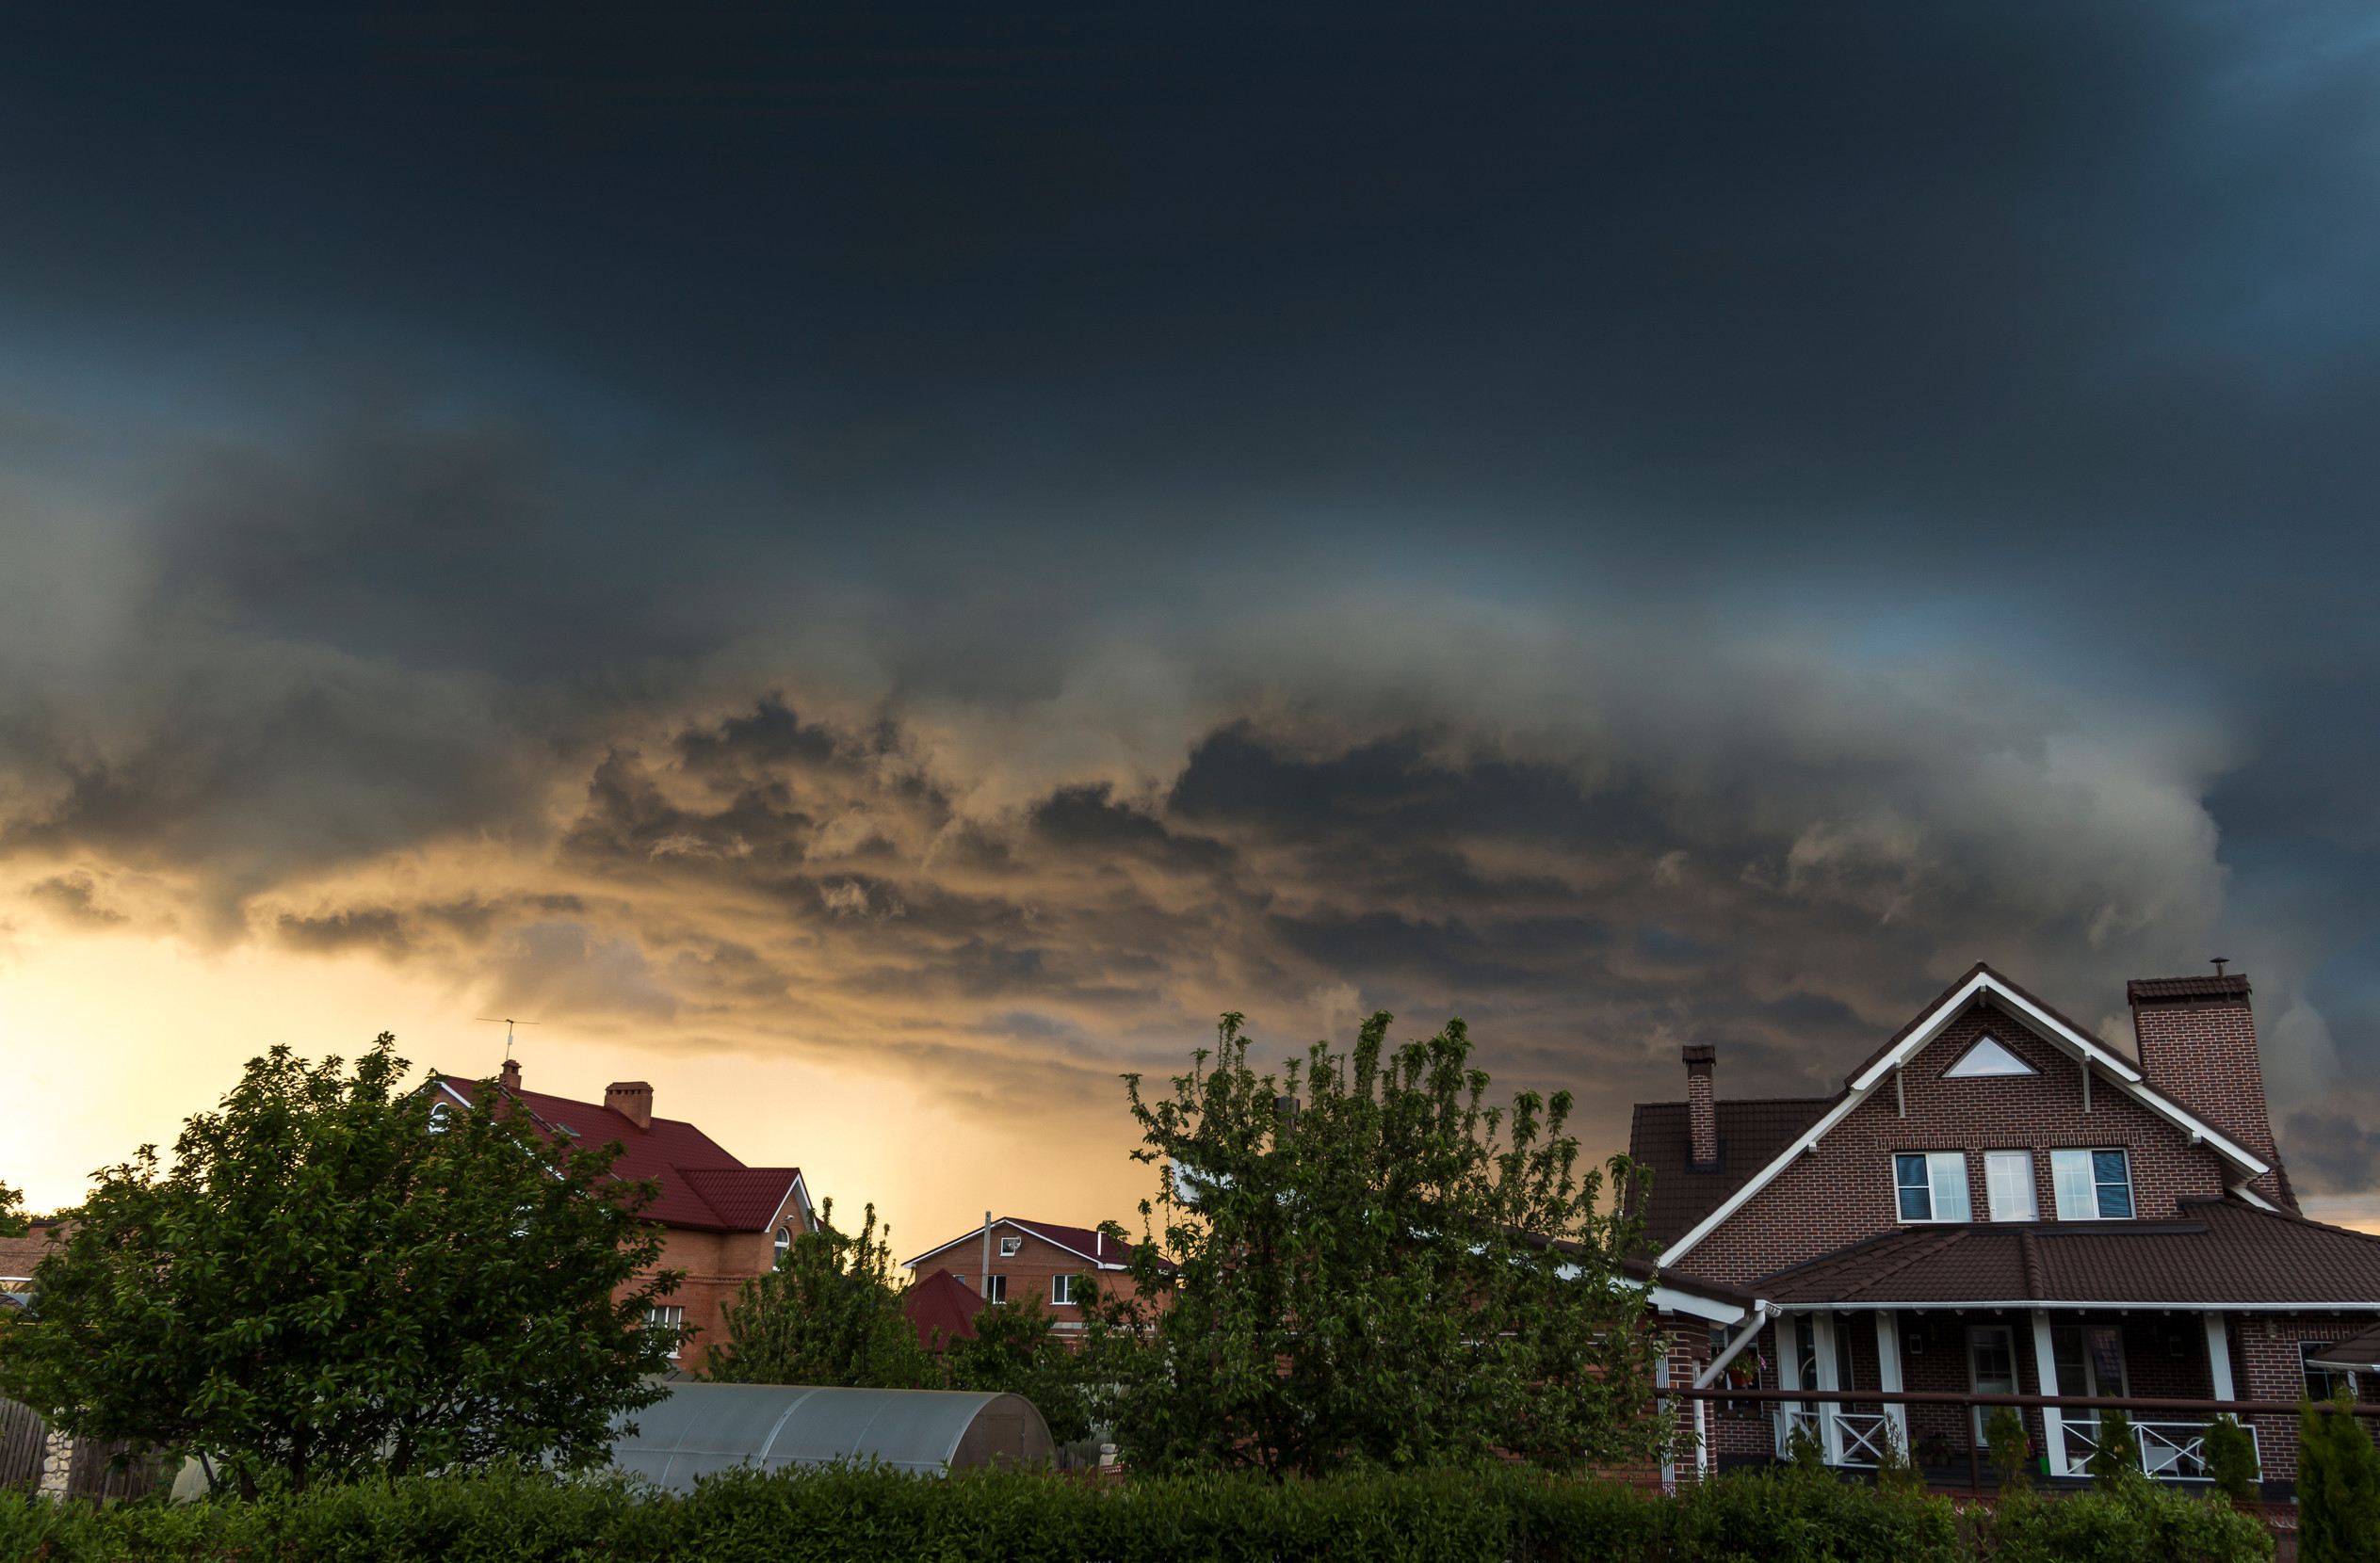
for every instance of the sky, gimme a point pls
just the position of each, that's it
(879, 567)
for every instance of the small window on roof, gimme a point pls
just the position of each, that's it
(1987, 1057)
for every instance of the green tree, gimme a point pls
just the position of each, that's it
(2230, 1450)
(828, 1313)
(2337, 1485)
(337, 1277)
(1016, 1350)
(12, 1218)
(1389, 1274)
(1894, 1472)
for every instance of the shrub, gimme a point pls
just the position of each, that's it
(871, 1514)
(2115, 1464)
(2139, 1522)
(2010, 1449)
(2338, 1487)
(2230, 1456)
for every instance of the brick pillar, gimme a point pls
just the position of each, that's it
(1702, 1103)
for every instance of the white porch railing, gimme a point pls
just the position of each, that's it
(2177, 1449)
(1857, 1438)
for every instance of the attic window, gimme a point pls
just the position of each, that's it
(1011, 1246)
(1986, 1058)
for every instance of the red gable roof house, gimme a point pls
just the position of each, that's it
(1998, 1202)
(1030, 1259)
(726, 1222)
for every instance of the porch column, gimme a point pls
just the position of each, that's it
(1888, 1375)
(2044, 1362)
(2219, 1358)
(1789, 1376)
(1829, 1414)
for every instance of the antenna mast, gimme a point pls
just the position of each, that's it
(508, 1024)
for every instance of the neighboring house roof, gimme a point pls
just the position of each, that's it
(944, 1304)
(702, 1187)
(1981, 984)
(1750, 1132)
(1086, 1242)
(18, 1255)
(2221, 1253)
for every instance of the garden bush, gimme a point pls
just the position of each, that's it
(864, 1515)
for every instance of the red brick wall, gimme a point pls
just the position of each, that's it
(2204, 1056)
(2265, 1365)
(717, 1264)
(1031, 1270)
(1843, 1193)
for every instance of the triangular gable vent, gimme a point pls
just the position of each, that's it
(1987, 1057)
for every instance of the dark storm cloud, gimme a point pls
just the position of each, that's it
(1634, 525)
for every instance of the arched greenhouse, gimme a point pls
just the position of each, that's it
(703, 1428)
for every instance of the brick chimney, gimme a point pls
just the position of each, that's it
(2197, 1044)
(1702, 1105)
(632, 1100)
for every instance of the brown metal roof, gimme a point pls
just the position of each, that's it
(1751, 1134)
(2189, 990)
(2221, 1252)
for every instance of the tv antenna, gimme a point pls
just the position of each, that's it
(508, 1024)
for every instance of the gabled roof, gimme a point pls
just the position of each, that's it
(1086, 1242)
(702, 1187)
(1750, 1132)
(944, 1304)
(2222, 1253)
(1980, 985)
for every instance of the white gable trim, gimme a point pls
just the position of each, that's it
(978, 1236)
(2087, 1051)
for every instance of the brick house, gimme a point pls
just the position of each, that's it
(1998, 1200)
(725, 1222)
(1010, 1259)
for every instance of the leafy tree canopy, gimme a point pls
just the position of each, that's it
(334, 1277)
(1016, 1350)
(1390, 1273)
(828, 1313)
(12, 1218)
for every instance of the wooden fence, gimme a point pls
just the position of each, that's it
(95, 1470)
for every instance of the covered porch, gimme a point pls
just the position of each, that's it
(2164, 1354)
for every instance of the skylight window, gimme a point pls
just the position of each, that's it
(1987, 1057)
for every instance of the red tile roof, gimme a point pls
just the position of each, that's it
(2221, 1251)
(702, 1187)
(941, 1303)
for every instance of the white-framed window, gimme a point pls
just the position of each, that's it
(2092, 1186)
(672, 1317)
(1061, 1290)
(785, 1242)
(2323, 1381)
(1931, 1185)
(438, 1119)
(1010, 1246)
(2008, 1181)
(997, 1292)
(1988, 1058)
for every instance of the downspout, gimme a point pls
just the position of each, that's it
(1761, 1314)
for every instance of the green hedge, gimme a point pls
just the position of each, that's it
(862, 1516)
